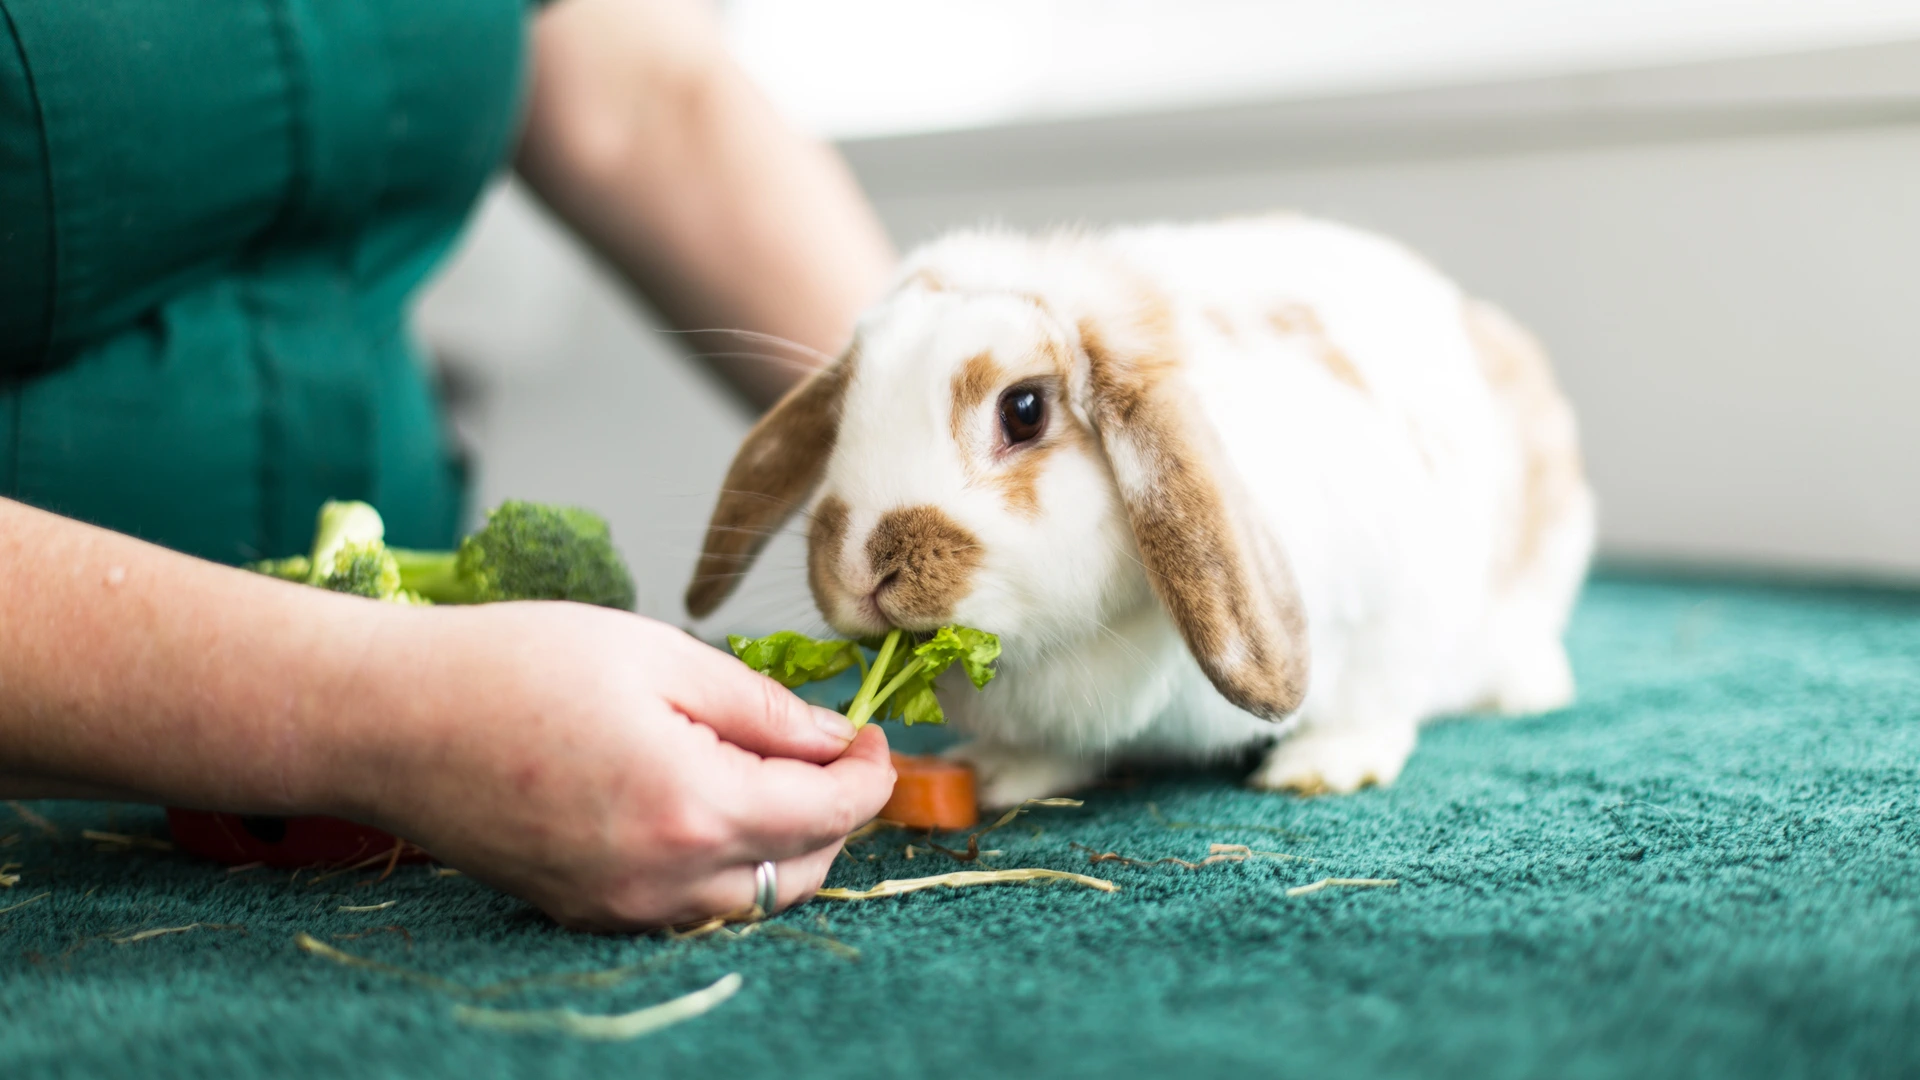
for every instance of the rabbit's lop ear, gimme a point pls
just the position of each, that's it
(1221, 573)
(777, 467)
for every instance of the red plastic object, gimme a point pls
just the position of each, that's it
(283, 842)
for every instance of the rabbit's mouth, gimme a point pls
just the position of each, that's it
(873, 614)
(908, 570)
(894, 604)
(877, 611)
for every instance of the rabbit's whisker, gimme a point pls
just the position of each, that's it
(785, 362)
(757, 335)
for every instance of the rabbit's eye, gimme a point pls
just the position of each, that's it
(1023, 414)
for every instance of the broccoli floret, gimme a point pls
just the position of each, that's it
(526, 551)
(364, 569)
(341, 524)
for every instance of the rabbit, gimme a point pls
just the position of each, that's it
(1269, 485)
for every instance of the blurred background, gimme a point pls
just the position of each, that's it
(1708, 209)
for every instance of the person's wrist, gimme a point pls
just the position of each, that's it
(360, 725)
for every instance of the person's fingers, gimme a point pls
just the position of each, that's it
(802, 877)
(752, 711)
(779, 808)
(795, 880)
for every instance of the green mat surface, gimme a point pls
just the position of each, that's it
(1710, 867)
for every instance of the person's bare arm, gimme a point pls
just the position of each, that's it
(132, 671)
(608, 768)
(646, 138)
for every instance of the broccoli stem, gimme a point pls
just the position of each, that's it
(868, 700)
(434, 575)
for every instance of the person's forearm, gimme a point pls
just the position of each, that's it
(130, 671)
(646, 137)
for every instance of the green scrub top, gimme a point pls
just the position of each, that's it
(212, 216)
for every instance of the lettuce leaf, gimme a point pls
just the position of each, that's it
(794, 659)
(899, 681)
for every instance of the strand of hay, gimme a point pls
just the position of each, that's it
(122, 840)
(1216, 853)
(1110, 856)
(699, 929)
(32, 818)
(165, 930)
(366, 907)
(866, 831)
(1216, 849)
(833, 945)
(394, 929)
(8, 881)
(716, 923)
(1343, 882)
(311, 944)
(961, 879)
(973, 852)
(24, 903)
(614, 1028)
(393, 860)
(391, 856)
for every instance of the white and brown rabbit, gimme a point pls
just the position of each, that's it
(1212, 485)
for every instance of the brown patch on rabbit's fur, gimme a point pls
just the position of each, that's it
(923, 560)
(1019, 484)
(778, 464)
(1553, 477)
(825, 539)
(1299, 320)
(1019, 481)
(1225, 582)
(976, 380)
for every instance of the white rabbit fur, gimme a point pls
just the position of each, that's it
(1404, 523)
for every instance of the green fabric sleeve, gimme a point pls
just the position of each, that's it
(26, 220)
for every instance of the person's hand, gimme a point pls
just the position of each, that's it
(610, 769)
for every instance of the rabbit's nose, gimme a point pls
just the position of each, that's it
(924, 563)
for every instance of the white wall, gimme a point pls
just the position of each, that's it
(867, 68)
(1720, 256)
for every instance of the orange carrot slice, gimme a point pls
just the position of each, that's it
(932, 793)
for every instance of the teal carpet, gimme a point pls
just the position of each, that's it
(1711, 867)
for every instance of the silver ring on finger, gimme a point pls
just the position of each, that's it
(766, 888)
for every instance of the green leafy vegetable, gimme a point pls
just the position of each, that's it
(899, 681)
(794, 659)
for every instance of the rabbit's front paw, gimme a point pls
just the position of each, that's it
(1537, 680)
(1336, 760)
(1008, 776)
